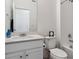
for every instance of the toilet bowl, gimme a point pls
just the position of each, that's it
(55, 53)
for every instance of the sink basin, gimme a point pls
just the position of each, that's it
(23, 38)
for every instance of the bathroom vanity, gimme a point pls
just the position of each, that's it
(24, 48)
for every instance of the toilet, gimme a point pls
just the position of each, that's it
(55, 53)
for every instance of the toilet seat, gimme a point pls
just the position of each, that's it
(58, 52)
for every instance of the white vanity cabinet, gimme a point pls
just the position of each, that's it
(24, 50)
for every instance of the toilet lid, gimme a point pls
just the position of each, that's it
(58, 52)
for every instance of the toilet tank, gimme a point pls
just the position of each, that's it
(50, 42)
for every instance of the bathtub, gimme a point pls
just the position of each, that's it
(68, 48)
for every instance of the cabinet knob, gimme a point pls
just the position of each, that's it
(20, 56)
(26, 54)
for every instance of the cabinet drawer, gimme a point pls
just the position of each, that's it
(23, 45)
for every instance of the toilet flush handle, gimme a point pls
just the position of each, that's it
(69, 36)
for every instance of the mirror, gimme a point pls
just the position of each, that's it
(21, 15)
(21, 20)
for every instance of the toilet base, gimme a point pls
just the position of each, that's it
(55, 57)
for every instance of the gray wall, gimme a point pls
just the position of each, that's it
(46, 16)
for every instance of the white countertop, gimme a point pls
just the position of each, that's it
(14, 39)
(47, 37)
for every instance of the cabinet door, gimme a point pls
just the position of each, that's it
(15, 55)
(35, 54)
